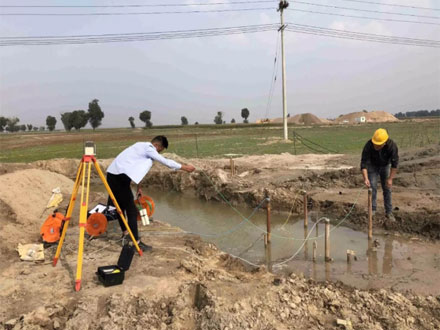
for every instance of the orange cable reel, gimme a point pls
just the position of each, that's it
(96, 224)
(50, 231)
(145, 202)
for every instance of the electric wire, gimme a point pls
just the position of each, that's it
(301, 246)
(273, 78)
(363, 10)
(232, 229)
(315, 30)
(138, 6)
(316, 144)
(129, 37)
(390, 4)
(274, 234)
(141, 13)
(363, 17)
(182, 34)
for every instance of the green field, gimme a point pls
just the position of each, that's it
(217, 140)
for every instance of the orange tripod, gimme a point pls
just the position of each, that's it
(84, 167)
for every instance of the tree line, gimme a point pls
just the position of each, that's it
(418, 113)
(78, 119)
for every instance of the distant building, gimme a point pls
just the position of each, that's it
(361, 119)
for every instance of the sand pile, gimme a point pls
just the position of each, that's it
(371, 117)
(23, 196)
(301, 119)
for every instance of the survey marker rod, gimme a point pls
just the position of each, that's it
(68, 213)
(282, 5)
(327, 240)
(115, 203)
(268, 217)
(370, 213)
(306, 216)
(315, 246)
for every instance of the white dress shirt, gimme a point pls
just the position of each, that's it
(136, 161)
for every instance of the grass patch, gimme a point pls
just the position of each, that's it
(216, 140)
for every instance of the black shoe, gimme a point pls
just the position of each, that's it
(144, 247)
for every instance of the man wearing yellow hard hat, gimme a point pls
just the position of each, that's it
(380, 158)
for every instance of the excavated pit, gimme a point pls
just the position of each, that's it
(160, 290)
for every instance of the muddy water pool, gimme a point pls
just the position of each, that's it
(388, 261)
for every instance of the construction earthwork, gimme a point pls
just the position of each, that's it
(188, 283)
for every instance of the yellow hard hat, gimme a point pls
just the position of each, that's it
(380, 137)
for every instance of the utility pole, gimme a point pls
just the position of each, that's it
(283, 5)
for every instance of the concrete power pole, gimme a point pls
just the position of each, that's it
(283, 5)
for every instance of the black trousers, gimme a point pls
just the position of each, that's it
(120, 186)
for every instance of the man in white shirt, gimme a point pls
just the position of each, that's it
(133, 164)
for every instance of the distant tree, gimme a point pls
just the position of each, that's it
(51, 122)
(131, 120)
(29, 127)
(79, 119)
(196, 123)
(66, 119)
(3, 123)
(245, 115)
(232, 121)
(42, 128)
(365, 111)
(35, 128)
(219, 118)
(23, 128)
(95, 114)
(184, 120)
(145, 116)
(288, 115)
(12, 124)
(418, 113)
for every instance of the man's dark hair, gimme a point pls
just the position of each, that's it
(162, 140)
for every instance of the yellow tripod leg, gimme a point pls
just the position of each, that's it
(82, 222)
(68, 213)
(103, 179)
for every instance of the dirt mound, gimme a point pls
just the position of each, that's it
(370, 117)
(301, 119)
(23, 198)
(67, 167)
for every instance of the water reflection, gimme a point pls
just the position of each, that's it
(387, 263)
(220, 224)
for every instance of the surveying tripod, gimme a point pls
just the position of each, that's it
(86, 166)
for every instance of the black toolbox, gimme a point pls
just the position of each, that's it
(114, 275)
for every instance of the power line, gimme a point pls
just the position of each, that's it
(273, 78)
(364, 10)
(140, 13)
(391, 4)
(130, 37)
(140, 6)
(315, 30)
(182, 34)
(364, 17)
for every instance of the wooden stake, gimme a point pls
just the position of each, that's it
(370, 213)
(327, 240)
(315, 246)
(268, 217)
(232, 166)
(306, 217)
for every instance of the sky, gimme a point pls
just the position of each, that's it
(198, 77)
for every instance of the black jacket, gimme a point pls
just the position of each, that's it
(388, 154)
